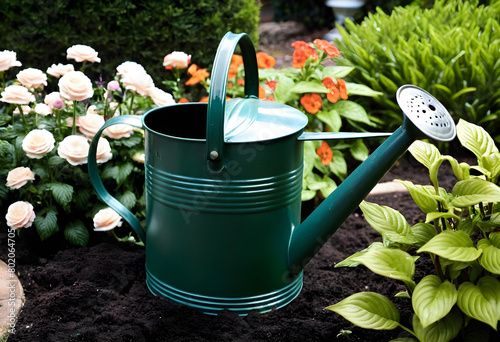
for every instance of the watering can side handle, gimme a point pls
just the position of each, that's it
(96, 179)
(218, 86)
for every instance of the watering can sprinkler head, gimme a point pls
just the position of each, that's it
(425, 117)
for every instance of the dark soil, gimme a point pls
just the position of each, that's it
(98, 293)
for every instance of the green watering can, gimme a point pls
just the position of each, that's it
(223, 190)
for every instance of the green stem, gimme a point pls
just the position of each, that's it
(25, 123)
(3, 79)
(131, 103)
(406, 329)
(73, 130)
(82, 69)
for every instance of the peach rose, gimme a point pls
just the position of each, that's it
(20, 215)
(118, 131)
(19, 176)
(160, 97)
(25, 108)
(103, 153)
(75, 149)
(75, 86)
(60, 69)
(38, 143)
(17, 94)
(42, 109)
(176, 59)
(8, 60)
(92, 110)
(90, 124)
(32, 78)
(135, 78)
(82, 53)
(106, 219)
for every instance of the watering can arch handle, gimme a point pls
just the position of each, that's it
(96, 180)
(218, 86)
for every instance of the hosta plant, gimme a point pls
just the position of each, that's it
(461, 235)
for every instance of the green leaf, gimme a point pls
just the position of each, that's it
(472, 301)
(425, 153)
(388, 222)
(473, 191)
(443, 330)
(425, 196)
(361, 89)
(309, 87)
(77, 234)
(330, 185)
(55, 161)
(46, 223)
(336, 72)
(454, 245)
(282, 93)
(352, 111)
(349, 262)
(389, 262)
(128, 199)
(359, 150)
(331, 118)
(118, 172)
(475, 139)
(338, 165)
(490, 258)
(433, 299)
(422, 233)
(490, 288)
(368, 310)
(63, 193)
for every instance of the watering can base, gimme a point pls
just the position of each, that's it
(214, 305)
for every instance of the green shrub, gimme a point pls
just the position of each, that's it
(452, 50)
(141, 31)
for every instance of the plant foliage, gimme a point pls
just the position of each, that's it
(452, 50)
(461, 235)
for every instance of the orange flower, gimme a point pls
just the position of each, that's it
(342, 88)
(264, 61)
(325, 153)
(312, 103)
(241, 82)
(272, 84)
(302, 52)
(325, 46)
(183, 100)
(236, 61)
(197, 75)
(335, 93)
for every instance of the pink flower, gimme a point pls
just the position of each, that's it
(90, 124)
(160, 97)
(19, 176)
(135, 78)
(118, 131)
(75, 86)
(32, 78)
(82, 53)
(106, 219)
(20, 215)
(113, 85)
(176, 59)
(60, 69)
(17, 94)
(8, 60)
(75, 149)
(38, 143)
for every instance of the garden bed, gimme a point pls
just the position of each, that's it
(99, 293)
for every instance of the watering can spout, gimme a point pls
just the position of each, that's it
(424, 117)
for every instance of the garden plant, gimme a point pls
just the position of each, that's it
(461, 235)
(451, 50)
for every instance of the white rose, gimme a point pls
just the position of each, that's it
(90, 124)
(160, 97)
(17, 94)
(106, 219)
(8, 60)
(20, 215)
(19, 176)
(129, 66)
(37, 143)
(82, 53)
(42, 109)
(176, 59)
(60, 69)
(75, 149)
(32, 78)
(103, 153)
(75, 86)
(92, 110)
